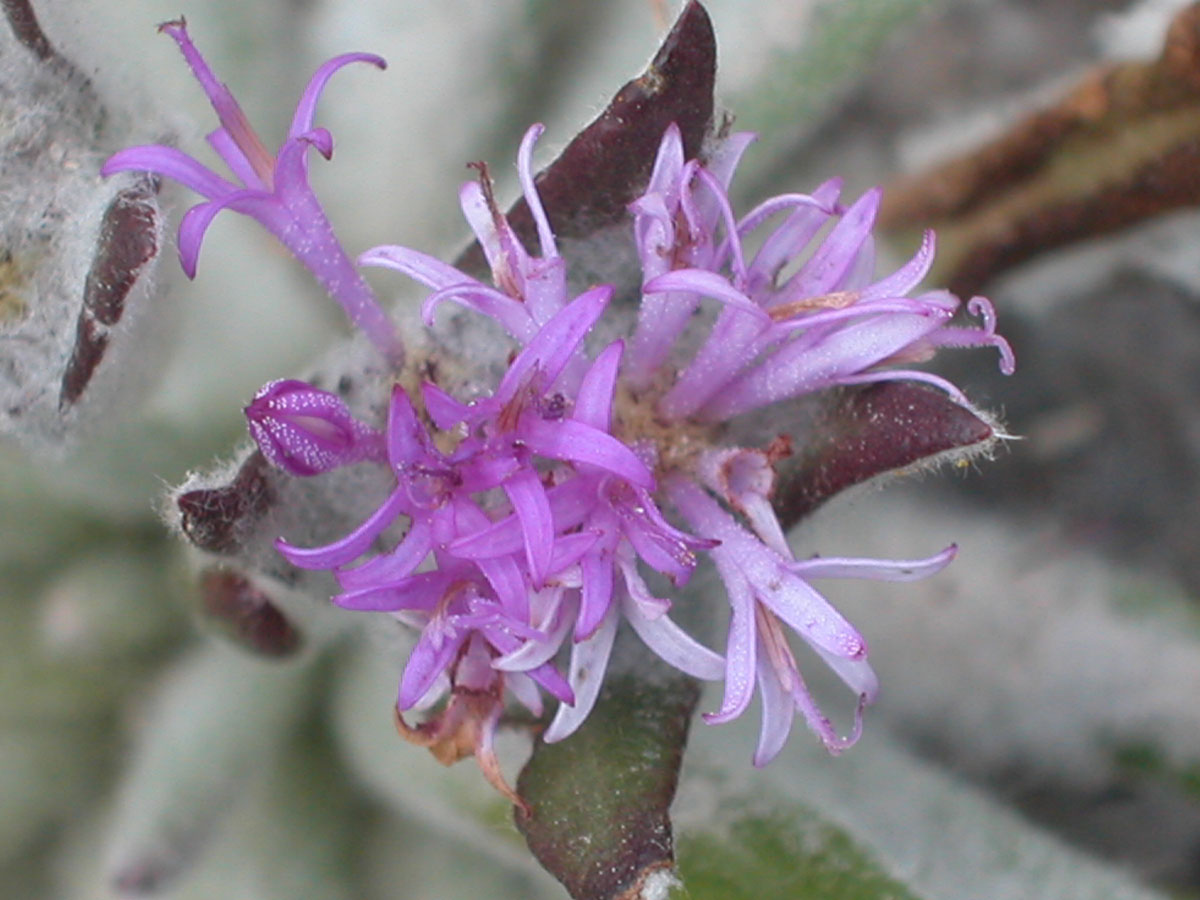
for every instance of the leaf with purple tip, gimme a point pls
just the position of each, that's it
(606, 166)
(865, 432)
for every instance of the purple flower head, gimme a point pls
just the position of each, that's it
(273, 190)
(827, 324)
(533, 513)
(305, 431)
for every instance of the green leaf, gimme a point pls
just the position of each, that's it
(599, 799)
(887, 823)
(781, 854)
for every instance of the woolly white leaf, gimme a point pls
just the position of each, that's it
(218, 720)
(455, 801)
(1023, 655)
(78, 251)
(939, 838)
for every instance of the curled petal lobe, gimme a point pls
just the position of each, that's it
(302, 119)
(525, 171)
(353, 545)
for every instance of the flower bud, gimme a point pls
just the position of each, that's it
(306, 431)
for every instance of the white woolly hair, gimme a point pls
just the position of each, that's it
(58, 129)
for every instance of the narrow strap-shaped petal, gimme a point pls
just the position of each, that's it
(302, 120)
(982, 307)
(291, 169)
(511, 314)
(668, 164)
(569, 504)
(723, 160)
(828, 267)
(536, 651)
(799, 368)
(444, 409)
(596, 594)
(638, 592)
(706, 284)
(978, 337)
(545, 288)
(791, 320)
(593, 401)
(263, 208)
(793, 235)
(407, 441)
(510, 585)
(662, 318)
(862, 267)
(908, 276)
(661, 546)
(819, 723)
(569, 550)
(556, 342)
(785, 202)
(802, 606)
(673, 645)
(585, 674)
(399, 563)
(528, 498)
(552, 680)
(505, 254)
(227, 148)
(576, 442)
(741, 649)
(654, 234)
(532, 200)
(420, 593)
(353, 545)
(429, 270)
(729, 348)
(731, 246)
(170, 163)
(426, 662)
(320, 139)
(230, 114)
(502, 538)
(876, 569)
(746, 563)
(192, 228)
(778, 712)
